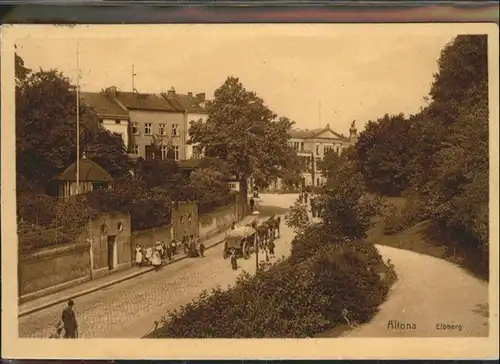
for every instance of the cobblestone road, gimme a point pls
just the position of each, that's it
(129, 309)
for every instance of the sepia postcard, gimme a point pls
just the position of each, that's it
(272, 191)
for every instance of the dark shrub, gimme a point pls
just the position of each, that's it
(289, 300)
(37, 209)
(37, 238)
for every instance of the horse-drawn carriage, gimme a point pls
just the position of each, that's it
(268, 230)
(241, 240)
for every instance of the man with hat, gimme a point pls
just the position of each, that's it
(69, 321)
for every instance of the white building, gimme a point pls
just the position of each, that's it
(110, 114)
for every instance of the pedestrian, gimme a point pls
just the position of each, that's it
(202, 249)
(185, 242)
(138, 255)
(271, 246)
(69, 321)
(149, 255)
(173, 245)
(156, 260)
(168, 251)
(252, 204)
(234, 260)
(305, 197)
(233, 225)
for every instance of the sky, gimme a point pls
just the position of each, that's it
(315, 75)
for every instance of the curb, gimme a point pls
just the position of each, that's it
(97, 288)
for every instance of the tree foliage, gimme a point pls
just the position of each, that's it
(46, 108)
(297, 218)
(244, 134)
(442, 153)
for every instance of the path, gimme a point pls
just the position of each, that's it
(429, 292)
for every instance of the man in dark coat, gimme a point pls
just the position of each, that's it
(234, 260)
(252, 204)
(69, 321)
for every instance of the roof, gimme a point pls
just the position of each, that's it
(240, 231)
(310, 134)
(186, 102)
(103, 105)
(89, 171)
(138, 101)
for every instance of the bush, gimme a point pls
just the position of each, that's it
(74, 214)
(413, 211)
(292, 299)
(297, 218)
(38, 209)
(38, 238)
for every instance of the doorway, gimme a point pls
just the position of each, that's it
(111, 251)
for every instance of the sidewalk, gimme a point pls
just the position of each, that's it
(88, 287)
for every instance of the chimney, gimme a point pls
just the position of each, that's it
(353, 132)
(111, 91)
(190, 95)
(200, 97)
(171, 92)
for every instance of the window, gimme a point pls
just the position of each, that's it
(118, 121)
(162, 129)
(148, 128)
(176, 152)
(164, 152)
(338, 150)
(150, 154)
(135, 128)
(302, 146)
(175, 128)
(318, 164)
(328, 148)
(135, 149)
(317, 149)
(101, 121)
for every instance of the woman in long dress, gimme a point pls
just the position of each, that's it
(138, 255)
(156, 259)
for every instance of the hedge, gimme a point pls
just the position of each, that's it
(38, 238)
(295, 298)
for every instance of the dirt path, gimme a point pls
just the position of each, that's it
(432, 298)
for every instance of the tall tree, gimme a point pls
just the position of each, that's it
(463, 66)
(243, 133)
(46, 125)
(384, 150)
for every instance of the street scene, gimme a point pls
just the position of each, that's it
(296, 193)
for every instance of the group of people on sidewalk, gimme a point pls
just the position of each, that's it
(156, 255)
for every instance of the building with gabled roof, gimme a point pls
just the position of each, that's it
(312, 145)
(91, 177)
(111, 115)
(194, 107)
(152, 115)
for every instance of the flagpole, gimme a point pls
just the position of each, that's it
(77, 119)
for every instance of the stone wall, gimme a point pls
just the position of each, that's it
(53, 266)
(217, 220)
(148, 238)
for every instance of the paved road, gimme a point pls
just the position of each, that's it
(429, 292)
(129, 309)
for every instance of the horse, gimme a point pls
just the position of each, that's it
(274, 224)
(263, 234)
